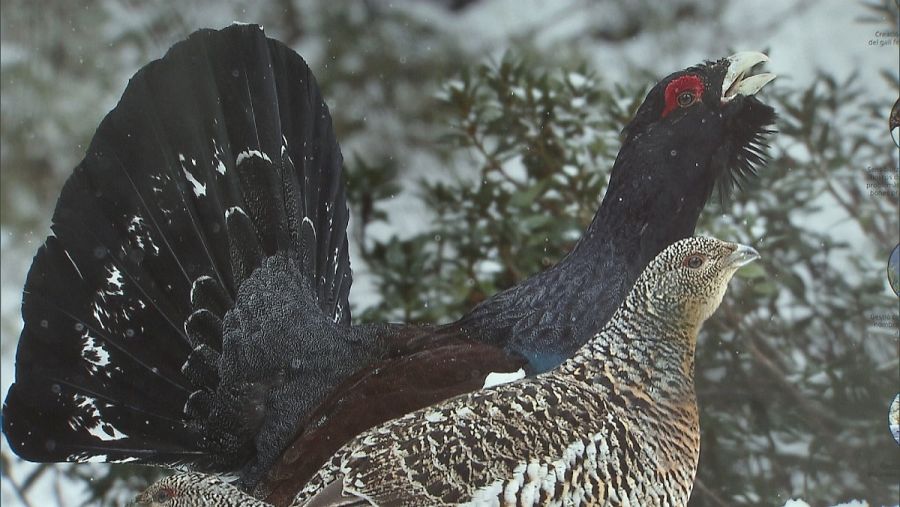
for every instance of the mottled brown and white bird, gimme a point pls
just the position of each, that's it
(617, 424)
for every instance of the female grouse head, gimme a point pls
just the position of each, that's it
(686, 282)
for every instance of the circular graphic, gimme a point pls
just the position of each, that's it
(894, 418)
(894, 123)
(894, 270)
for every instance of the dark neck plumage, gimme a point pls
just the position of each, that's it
(642, 213)
(644, 210)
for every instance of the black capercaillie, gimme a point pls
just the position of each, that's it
(191, 307)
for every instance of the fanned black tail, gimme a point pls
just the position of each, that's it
(218, 155)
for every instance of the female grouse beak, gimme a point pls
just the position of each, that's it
(742, 255)
(735, 83)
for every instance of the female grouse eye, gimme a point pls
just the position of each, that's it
(694, 261)
(685, 98)
(163, 495)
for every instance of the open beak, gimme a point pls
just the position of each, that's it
(737, 82)
(742, 255)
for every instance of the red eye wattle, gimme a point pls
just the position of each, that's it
(682, 92)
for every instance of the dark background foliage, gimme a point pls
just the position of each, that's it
(474, 162)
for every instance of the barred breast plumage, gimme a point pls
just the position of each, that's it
(617, 424)
(551, 442)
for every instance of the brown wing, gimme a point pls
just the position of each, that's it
(386, 391)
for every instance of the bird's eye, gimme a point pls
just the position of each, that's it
(694, 261)
(685, 98)
(682, 92)
(164, 495)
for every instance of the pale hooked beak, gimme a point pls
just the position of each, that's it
(735, 83)
(741, 256)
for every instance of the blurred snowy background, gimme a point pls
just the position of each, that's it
(382, 64)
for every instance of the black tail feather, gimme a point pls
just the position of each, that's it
(145, 261)
(207, 293)
(205, 328)
(246, 252)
